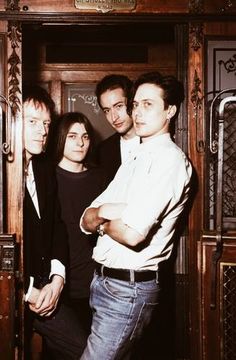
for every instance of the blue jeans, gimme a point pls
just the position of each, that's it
(121, 310)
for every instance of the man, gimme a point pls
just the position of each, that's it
(45, 236)
(112, 94)
(136, 218)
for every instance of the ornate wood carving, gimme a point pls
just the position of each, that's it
(13, 5)
(196, 100)
(229, 65)
(14, 34)
(196, 6)
(196, 35)
(228, 5)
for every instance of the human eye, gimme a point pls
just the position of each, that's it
(31, 121)
(47, 123)
(120, 106)
(147, 103)
(135, 104)
(86, 137)
(71, 136)
(106, 111)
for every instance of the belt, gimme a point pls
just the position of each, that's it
(126, 275)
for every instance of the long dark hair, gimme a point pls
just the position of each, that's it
(65, 122)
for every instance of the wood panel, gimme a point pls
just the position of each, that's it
(54, 6)
(212, 318)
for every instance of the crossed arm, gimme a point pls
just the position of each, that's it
(109, 215)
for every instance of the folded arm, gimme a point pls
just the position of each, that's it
(110, 216)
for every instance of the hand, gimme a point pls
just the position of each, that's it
(33, 296)
(48, 298)
(111, 211)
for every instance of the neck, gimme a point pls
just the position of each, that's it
(129, 135)
(75, 167)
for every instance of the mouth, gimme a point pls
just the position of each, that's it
(117, 125)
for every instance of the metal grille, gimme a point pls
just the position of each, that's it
(229, 169)
(228, 272)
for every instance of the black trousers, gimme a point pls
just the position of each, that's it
(64, 335)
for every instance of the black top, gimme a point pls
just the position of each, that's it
(76, 192)
(108, 156)
(45, 238)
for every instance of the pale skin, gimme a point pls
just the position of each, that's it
(36, 126)
(113, 103)
(151, 119)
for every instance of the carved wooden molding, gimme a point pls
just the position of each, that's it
(196, 91)
(196, 6)
(196, 100)
(14, 34)
(12, 5)
(196, 35)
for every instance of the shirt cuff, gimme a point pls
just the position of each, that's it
(57, 268)
(31, 284)
(80, 224)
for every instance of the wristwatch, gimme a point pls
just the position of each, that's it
(100, 230)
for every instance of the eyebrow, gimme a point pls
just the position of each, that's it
(119, 102)
(76, 133)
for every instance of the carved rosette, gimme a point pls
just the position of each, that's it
(14, 34)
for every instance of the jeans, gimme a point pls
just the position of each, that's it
(121, 311)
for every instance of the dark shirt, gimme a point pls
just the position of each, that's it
(108, 156)
(76, 192)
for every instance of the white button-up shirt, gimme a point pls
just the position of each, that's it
(155, 185)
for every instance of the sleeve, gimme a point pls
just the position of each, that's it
(60, 249)
(162, 190)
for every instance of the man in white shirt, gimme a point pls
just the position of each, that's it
(45, 236)
(136, 219)
(112, 94)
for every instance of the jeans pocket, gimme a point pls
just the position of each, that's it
(120, 290)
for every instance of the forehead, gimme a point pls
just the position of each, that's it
(35, 110)
(112, 96)
(77, 128)
(148, 91)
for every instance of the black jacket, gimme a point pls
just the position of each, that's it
(108, 156)
(45, 238)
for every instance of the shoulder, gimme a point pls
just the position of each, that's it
(110, 141)
(43, 165)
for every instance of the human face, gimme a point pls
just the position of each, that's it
(113, 103)
(36, 126)
(76, 146)
(149, 113)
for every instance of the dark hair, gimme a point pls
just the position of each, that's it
(65, 122)
(111, 82)
(173, 90)
(39, 96)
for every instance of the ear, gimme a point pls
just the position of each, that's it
(171, 111)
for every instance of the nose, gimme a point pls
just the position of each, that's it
(136, 111)
(114, 115)
(42, 129)
(80, 142)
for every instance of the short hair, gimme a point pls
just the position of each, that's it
(64, 124)
(112, 82)
(173, 90)
(39, 96)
